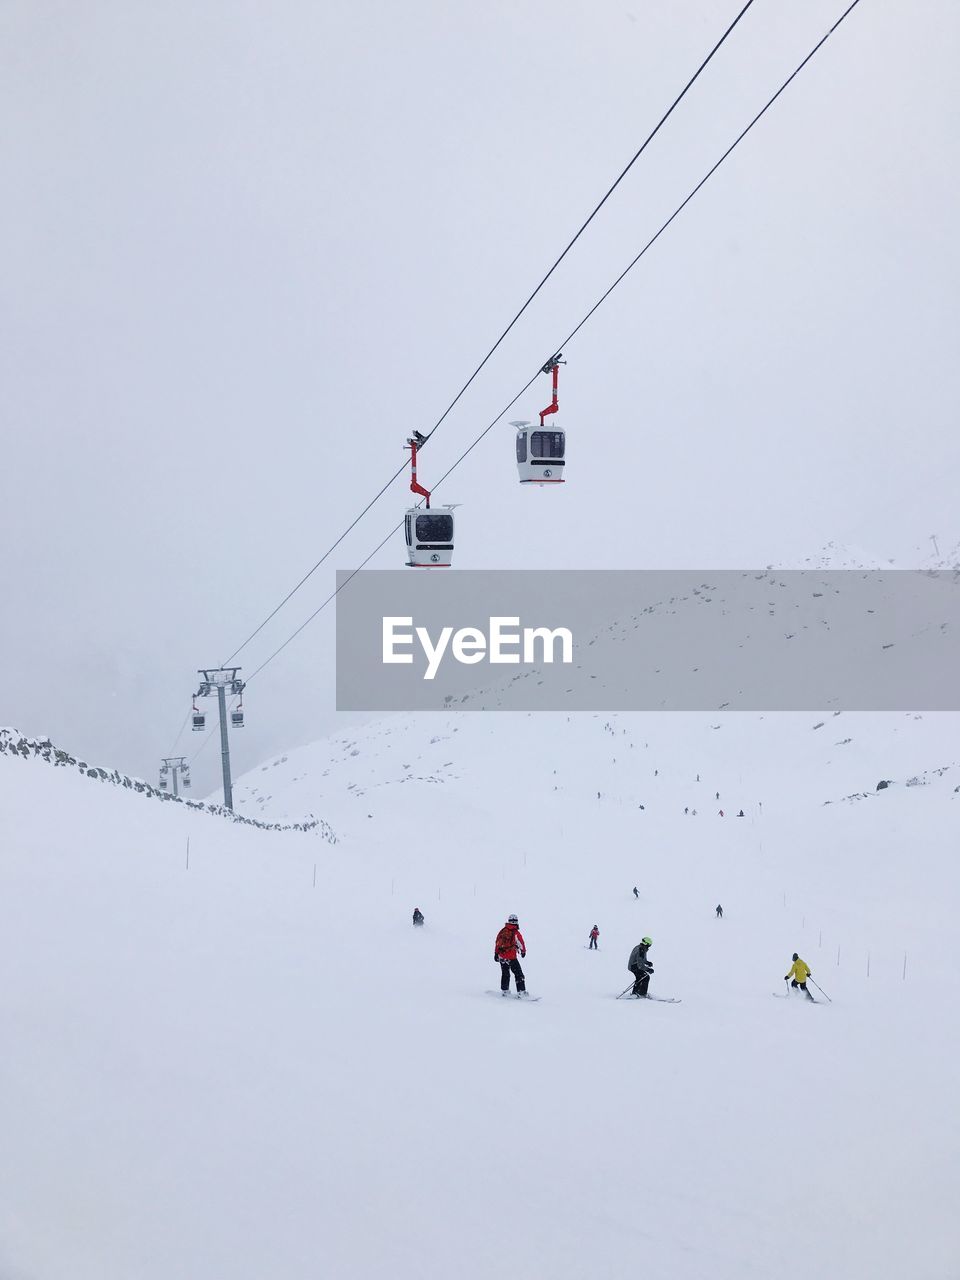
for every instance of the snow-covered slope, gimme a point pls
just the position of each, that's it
(521, 763)
(224, 1070)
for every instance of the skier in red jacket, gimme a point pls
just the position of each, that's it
(594, 935)
(509, 941)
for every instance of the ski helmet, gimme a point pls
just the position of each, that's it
(512, 920)
(795, 956)
(647, 942)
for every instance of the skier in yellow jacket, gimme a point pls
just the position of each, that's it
(799, 973)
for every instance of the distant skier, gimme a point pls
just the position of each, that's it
(509, 941)
(594, 935)
(718, 795)
(721, 813)
(719, 911)
(740, 814)
(635, 893)
(686, 809)
(800, 971)
(417, 916)
(640, 967)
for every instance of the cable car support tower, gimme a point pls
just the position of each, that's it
(174, 767)
(221, 680)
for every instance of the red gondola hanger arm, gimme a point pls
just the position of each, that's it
(414, 443)
(552, 366)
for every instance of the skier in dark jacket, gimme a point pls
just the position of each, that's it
(640, 967)
(635, 893)
(719, 911)
(417, 916)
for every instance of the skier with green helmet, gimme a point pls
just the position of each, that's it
(640, 967)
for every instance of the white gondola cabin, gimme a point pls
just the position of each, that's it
(429, 537)
(428, 531)
(236, 718)
(540, 454)
(199, 721)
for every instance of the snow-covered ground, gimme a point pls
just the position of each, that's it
(223, 1071)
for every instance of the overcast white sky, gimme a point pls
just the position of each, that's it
(247, 247)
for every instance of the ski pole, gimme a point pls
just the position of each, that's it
(820, 989)
(625, 990)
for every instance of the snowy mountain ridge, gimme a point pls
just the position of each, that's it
(841, 555)
(16, 745)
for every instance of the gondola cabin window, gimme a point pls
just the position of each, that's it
(434, 528)
(546, 444)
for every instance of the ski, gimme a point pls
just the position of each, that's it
(512, 996)
(659, 999)
(783, 995)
